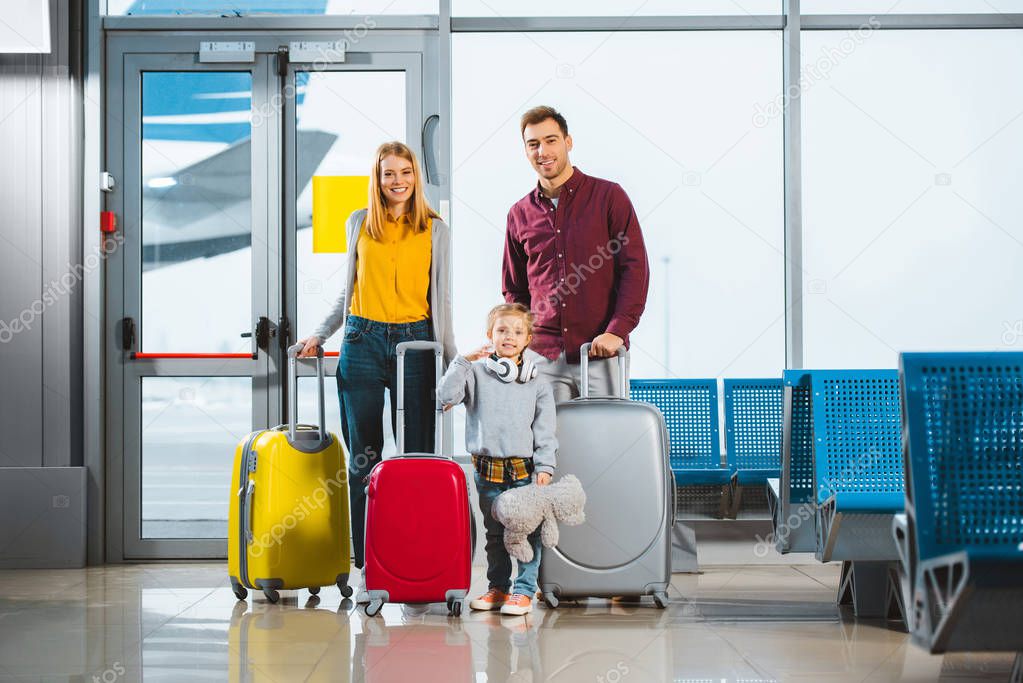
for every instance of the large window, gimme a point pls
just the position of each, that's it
(342, 117)
(912, 236)
(196, 211)
(623, 8)
(678, 120)
(230, 8)
(911, 6)
(190, 428)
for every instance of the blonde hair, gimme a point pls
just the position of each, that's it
(420, 211)
(510, 309)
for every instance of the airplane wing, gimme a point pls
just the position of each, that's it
(204, 209)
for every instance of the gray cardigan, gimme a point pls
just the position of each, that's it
(440, 286)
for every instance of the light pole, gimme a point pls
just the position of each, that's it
(667, 312)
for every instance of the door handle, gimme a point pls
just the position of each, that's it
(283, 333)
(263, 331)
(427, 166)
(127, 333)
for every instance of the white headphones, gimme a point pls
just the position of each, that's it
(507, 370)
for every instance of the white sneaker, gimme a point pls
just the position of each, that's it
(517, 605)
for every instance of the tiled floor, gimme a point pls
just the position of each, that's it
(181, 622)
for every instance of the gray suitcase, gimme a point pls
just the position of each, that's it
(619, 451)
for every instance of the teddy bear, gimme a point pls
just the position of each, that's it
(521, 510)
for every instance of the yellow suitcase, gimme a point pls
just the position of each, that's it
(288, 515)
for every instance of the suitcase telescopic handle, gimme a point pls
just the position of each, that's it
(293, 352)
(584, 366)
(438, 355)
(249, 490)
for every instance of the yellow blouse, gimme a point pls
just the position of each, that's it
(392, 276)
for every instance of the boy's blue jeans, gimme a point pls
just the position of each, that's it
(499, 562)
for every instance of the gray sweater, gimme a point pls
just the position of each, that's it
(440, 289)
(503, 420)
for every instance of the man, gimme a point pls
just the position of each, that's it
(574, 254)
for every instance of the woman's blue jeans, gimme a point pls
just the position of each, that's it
(367, 366)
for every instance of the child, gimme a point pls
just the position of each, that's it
(510, 431)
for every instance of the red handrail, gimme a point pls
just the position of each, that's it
(138, 355)
(145, 356)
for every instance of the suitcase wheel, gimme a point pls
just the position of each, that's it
(271, 595)
(455, 608)
(240, 592)
(551, 600)
(661, 600)
(314, 590)
(373, 608)
(346, 590)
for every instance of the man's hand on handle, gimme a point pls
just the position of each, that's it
(543, 478)
(605, 345)
(309, 350)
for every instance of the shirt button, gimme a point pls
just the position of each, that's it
(559, 255)
(566, 329)
(563, 305)
(558, 231)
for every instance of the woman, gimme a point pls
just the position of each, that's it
(397, 290)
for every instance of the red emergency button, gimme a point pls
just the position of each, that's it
(107, 221)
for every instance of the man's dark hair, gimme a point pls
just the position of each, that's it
(541, 114)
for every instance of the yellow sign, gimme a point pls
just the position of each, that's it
(335, 197)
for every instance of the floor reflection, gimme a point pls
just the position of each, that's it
(181, 623)
(284, 642)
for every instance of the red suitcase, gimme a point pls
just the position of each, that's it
(418, 522)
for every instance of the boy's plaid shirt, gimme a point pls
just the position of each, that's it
(502, 470)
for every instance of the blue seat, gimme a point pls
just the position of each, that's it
(857, 424)
(753, 429)
(962, 536)
(791, 495)
(753, 422)
(859, 484)
(690, 409)
(801, 439)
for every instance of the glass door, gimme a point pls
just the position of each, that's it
(215, 271)
(188, 294)
(340, 115)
